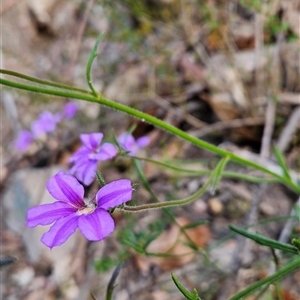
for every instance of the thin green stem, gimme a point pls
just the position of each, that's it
(173, 203)
(194, 173)
(268, 280)
(158, 205)
(154, 121)
(44, 82)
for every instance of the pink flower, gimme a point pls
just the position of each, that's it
(70, 211)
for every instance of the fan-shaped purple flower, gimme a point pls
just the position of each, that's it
(130, 144)
(86, 159)
(70, 211)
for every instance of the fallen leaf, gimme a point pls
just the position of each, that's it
(175, 243)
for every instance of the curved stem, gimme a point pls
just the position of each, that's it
(194, 173)
(171, 203)
(154, 121)
(44, 82)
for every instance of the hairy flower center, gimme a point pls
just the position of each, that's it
(90, 208)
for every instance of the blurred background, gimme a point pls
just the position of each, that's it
(224, 71)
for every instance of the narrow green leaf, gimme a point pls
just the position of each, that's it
(218, 172)
(100, 179)
(281, 161)
(187, 294)
(296, 243)
(111, 285)
(143, 178)
(91, 59)
(262, 240)
(133, 246)
(295, 264)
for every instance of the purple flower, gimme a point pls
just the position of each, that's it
(129, 144)
(86, 158)
(23, 140)
(46, 122)
(70, 211)
(70, 110)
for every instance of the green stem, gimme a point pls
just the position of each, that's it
(279, 274)
(207, 172)
(44, 82)
(154, 121)
(180, 202)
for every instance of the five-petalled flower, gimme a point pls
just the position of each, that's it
(71, 211)
(132, 145)
(85, 160)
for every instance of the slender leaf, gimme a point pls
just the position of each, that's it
(262, 240)
(218, 172)
(111, 285)
(100, 179)
(281, 161)
(93, 55)
(187, 294)
(295, 264)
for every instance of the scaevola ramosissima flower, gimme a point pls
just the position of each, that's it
(70, 211)
(45, 123)
(85, 160)
(132, 145)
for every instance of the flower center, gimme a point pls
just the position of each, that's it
(88, 209)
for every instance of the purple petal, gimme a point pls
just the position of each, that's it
(60, 231)
(82, 153)
(70, 110)
(66, 188)
(97, 225)
(114, 194)
(126, 141)
(143, 141)
(47, 213)
(45, 123)
(85, 171)
(92, 140)
(107, 151)
(23, 140)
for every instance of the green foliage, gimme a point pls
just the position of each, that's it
(105, 263)
(260, 239)
(288, 268)
(186, 293)
(100, 179)
(139, 240)
(281, 161)
(111, 285)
